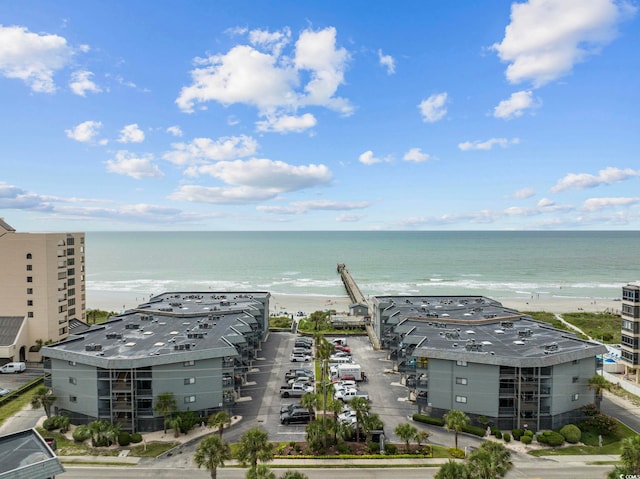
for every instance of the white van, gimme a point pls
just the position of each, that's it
(13, 368)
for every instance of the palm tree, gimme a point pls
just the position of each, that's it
(102, 433)
(406, 432)
(211, 453)
(310, 401)
(452, 470)
(219, 420)
(492, 460)
(456, 421)
(43, 398)
(598, 384)
(254, 446)
(293, 475)
(316, 434)
(370, 423)
(323, 351)
(261, 472)
(166, 404)
(361, 408)
(630, 458)
(422, 436)
(174, 422)
(336, 407)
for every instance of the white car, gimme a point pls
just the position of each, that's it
(343, 392)
(348, 416)
(295, 357)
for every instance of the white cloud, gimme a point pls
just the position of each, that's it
(524, 193)
(272, 41)
(204, 150)
(367, 158)
(287, 123)
(268, 174)
(270, 81)
(416, 155)
(607, 176)
(301, 207)
(174, 130)
(126, 163)
(217, 195)
(595, 204)
(488, 144)
(85, 131)
(546, 38)
(131, 134)
(433, 108)
(515, 106)
(13, 197)
(81, 83)
(546, 203)
(388, 62)
(348, 218)
(32, 58)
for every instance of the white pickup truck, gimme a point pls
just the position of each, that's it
(348, 394)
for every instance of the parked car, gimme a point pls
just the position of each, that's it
(4, 392)
(290, 407)
(301, 380)
(348, 417)
(340, 347)
(13, 368)
(297, 416)
(299, 357)
(297, 372)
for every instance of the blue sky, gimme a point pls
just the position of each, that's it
(332, 115)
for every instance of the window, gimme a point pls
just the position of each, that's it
(189, 399)
(72, 363)
(29, 302)
(29, 256)
(575, 397)
(461, 399)
(29, 267)
(461, 363)
(189, 363)
(30, 314)
(188, 381)
(574, 362)
(29, 290)
(462, 381)
(73, 381)
(29, 279)
(73, 398)
(575, 379)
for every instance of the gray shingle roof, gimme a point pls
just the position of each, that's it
(9, 329)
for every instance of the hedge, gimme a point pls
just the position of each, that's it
(434, 421)
(475, 430)
(550, 438)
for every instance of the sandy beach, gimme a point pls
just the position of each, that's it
(292, 304)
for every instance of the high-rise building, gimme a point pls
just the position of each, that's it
(630, 342)
(42, 280)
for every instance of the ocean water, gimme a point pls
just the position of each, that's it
(585, 265)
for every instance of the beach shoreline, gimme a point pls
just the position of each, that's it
(118, 302)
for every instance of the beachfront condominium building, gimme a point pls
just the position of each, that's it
(472, 354)
(630, 341)
(42, 281)
(199, 347)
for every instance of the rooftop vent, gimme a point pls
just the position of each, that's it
(114, 336)
(93, 347)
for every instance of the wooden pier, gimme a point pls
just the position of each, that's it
(358, 298)
(349, 283)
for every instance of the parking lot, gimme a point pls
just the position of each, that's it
(14, 381)
(388, 398)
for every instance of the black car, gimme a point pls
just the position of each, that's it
(297, 416)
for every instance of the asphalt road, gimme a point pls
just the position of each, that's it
(532, 471)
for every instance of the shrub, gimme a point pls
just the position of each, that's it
(373, 447)
(390, 449)
(344, 449)
(498, 435)
(529, 433)
(434, 421)
(51, 423)
(456, 453)
(124, 438)
(551, 438)
(525, 439)
(507, 437)
(475, 430)
(81, 433)
(494, 430)
(571, 433)
(517, 433)
(136, 437)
